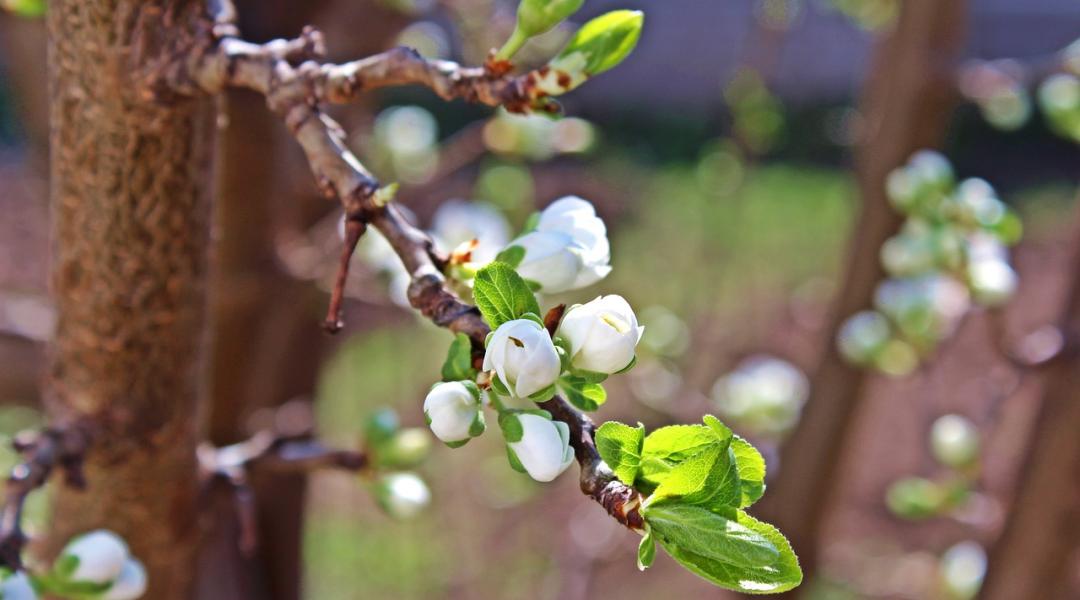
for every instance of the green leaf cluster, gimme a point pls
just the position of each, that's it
(699, 478)
(502, 295)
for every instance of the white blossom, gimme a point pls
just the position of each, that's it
(101, 555)
(602, 334)
(402, 495)
(17, 586)
(577, 218)
(954, 440)
(541, 445)
(569, 248)
(993, 282)
(523, 357)
(458, 221)
(453, 411)
(552, 259)
(131, 583)
(763, 393)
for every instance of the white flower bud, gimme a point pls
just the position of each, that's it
(602, 334)
(17, 586)
(101, 555)
(458, 221)
(453, 411)
(993, 282)
(763, 393)
(863, 335)
(131, 583)
(552, 259)
(569, 248)
(954, 441)
(402, 495)
(523, 357)
(577, 218)
(540, 446)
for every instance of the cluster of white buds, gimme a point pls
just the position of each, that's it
(96, 565)
(524, 364)
(567, 250)
(954, 443)
(951, 252)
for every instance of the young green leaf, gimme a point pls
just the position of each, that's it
(606, 40)
(779, 576)
(502, 295)
(458, 365)
(585, 395)
(696, 530)
(620, 447)
(751, 468)
(707, 479)
(511, 255)
(646, 552)
(668, 446)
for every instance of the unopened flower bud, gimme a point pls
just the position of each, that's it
(402, 495)
(954, 441)
(537, 445)
(523, 357)
(454, 412)
(598, 46)
(101, 556)
(131, 583)
(17, 586)
(602, 334)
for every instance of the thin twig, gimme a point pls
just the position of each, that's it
(54, 447)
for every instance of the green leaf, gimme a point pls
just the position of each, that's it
(605, 41)
(702, 532)
(502, 295)
(582, 394)
(780, 576)
(458, 365)
(511, 255)
(707, 479)
(24, 8)
(751, 468)
(646, 552)
(668, 446)
(620, 447)
(537, 16)
(510, 426)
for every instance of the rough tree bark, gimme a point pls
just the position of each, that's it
(1031, 558)
(906, 105)
(130, 232)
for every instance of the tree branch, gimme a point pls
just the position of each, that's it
(295, 93)
(54, 447)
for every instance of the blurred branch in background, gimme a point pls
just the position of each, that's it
(1032, 557)
(264, 347)
(906, 105)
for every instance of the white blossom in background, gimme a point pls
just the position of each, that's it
(408, 135)
(523, 357)
(458, 221)
(540, 445)
(925, 308)
(763, 393)
(863, 335)
(101, 556)
(963, 568)
(602, 334)
(551, 260)
(577, 218)
(129, 585)
(453, 412)
(17, 586)
(402, 495)
(954, 441)
(569, 248)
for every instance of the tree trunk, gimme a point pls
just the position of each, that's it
(130, 231)
(1032, 556)
(907, 104)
